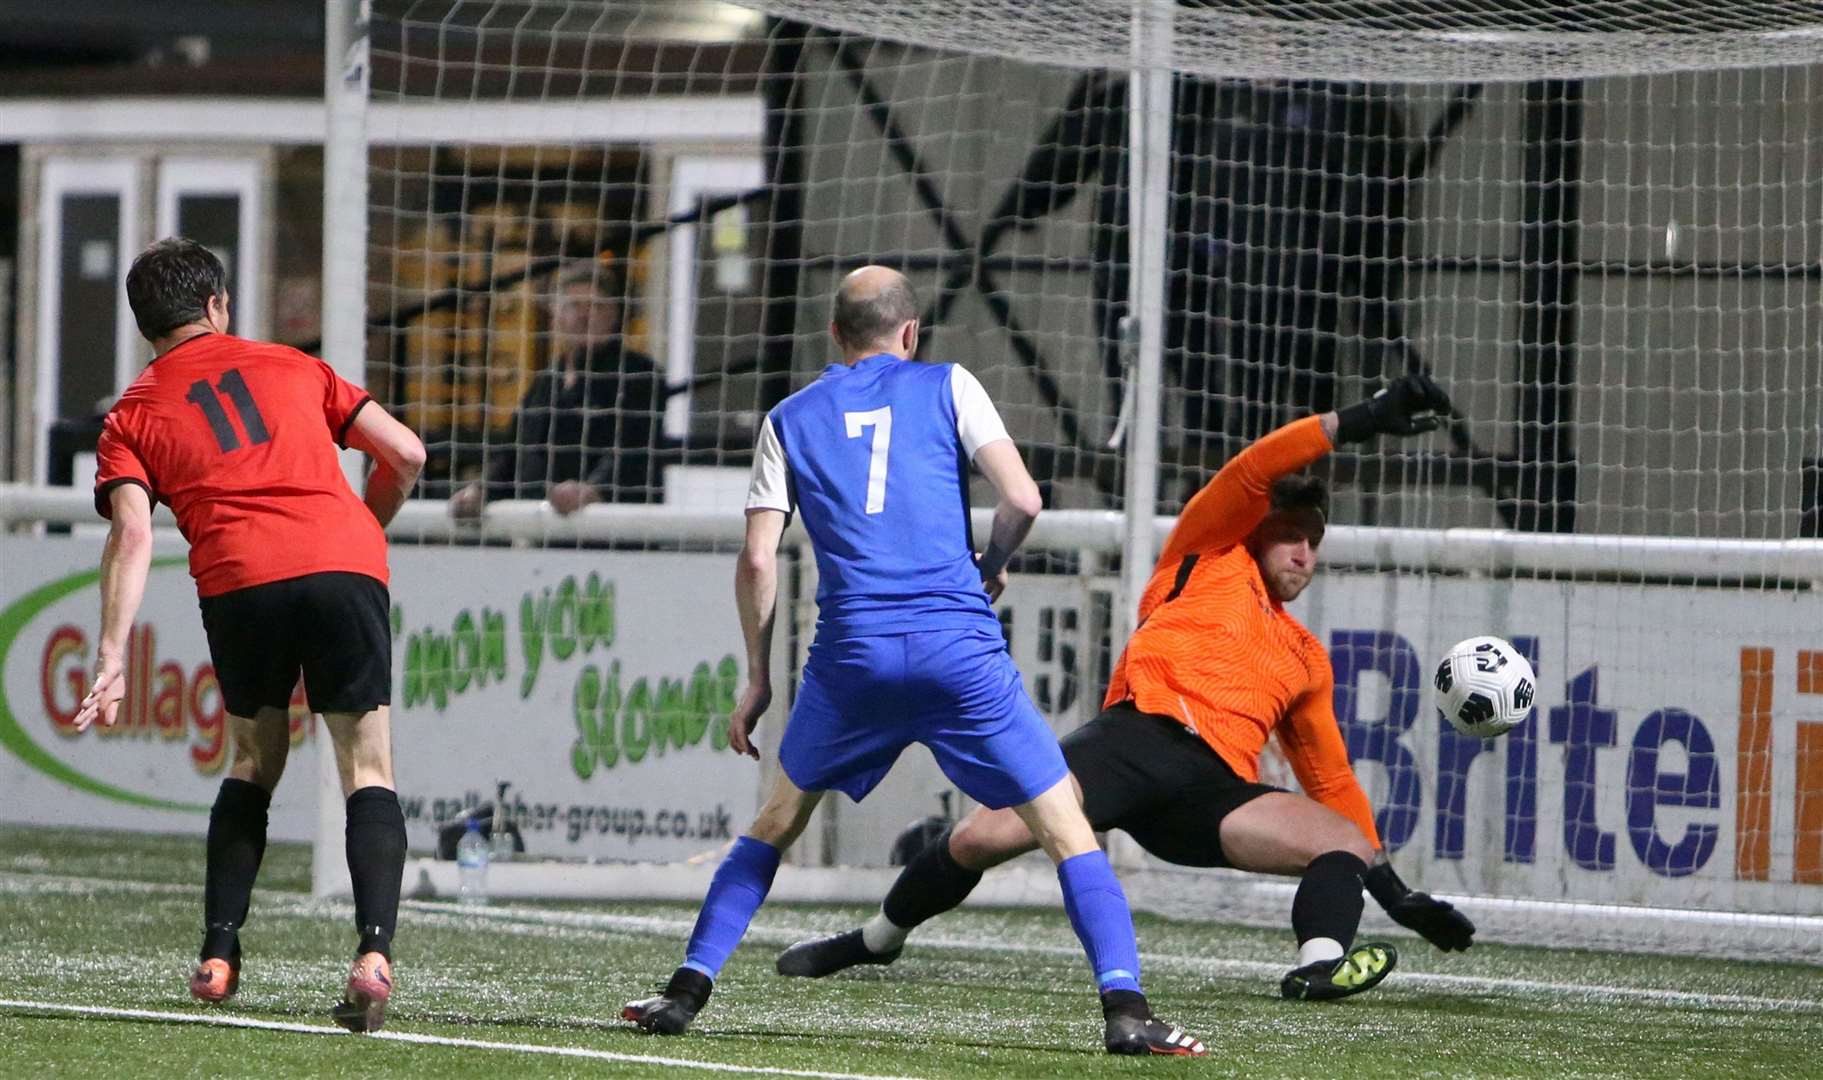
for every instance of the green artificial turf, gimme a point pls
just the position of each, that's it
(112, 920)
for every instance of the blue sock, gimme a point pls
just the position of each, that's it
(740, 887)
(1098, 911)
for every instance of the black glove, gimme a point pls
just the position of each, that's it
(1437, 921)
(1409, 405)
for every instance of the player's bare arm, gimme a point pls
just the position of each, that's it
(124, 563)
(756, 590)
(1019, 506)
(398, 457)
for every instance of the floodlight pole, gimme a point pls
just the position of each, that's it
(346, 72)
(1149, 111)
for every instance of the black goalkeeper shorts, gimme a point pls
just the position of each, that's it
(335, 628)
(1158, 781)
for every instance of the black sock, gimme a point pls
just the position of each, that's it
(1328, 903)
(691, 987)
(1124, 1002)
(931, 884)
(237, 843)
(376, 865)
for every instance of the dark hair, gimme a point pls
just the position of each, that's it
(171, 283)
(1300, 491)
(866, 318)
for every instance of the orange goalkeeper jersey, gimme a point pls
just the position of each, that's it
(1216, 650)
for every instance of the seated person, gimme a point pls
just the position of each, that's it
(588, 425)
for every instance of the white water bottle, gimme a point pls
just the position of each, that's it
(501, 848)
(471, 866)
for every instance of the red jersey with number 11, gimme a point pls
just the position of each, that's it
(240, 439)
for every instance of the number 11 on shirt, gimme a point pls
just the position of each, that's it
(881, 420)
(203, 396)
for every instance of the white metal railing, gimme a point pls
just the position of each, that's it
(1449, 550)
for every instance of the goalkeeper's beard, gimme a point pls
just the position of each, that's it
(1287, 585)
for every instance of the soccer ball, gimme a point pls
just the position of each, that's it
(1485, 687)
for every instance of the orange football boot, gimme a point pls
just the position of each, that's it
(363, 1006)
(215, 981)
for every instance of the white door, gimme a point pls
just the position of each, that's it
(88, 349)
(693, 178)
(216, 202)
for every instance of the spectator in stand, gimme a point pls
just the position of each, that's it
(589, 424)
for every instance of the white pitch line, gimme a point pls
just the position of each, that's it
(213, 1020)
(659, 926)
(22, 881)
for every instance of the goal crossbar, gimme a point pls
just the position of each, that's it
(1456, 550)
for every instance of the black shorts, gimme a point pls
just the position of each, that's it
(336, 628)
(1158, 781)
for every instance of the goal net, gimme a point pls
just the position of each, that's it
(601, 241)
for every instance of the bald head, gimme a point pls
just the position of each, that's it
(875, 311)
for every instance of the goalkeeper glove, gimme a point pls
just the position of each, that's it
(1437, 921)
(1409, 405)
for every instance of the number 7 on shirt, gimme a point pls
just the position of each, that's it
(881, 420)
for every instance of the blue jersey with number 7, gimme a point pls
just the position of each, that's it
(875, 457)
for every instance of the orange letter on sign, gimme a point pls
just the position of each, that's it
(1807, 867)
(1753, 769)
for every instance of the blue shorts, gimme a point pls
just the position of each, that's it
(865, 699)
